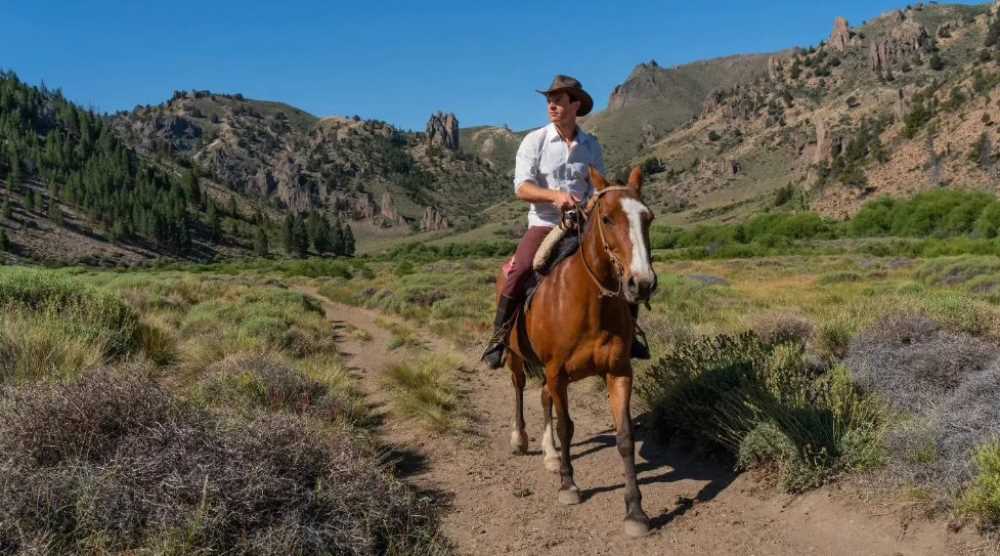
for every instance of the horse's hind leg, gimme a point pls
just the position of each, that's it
(548, 436)
(518, 436)
(619, 394)
(558, 388)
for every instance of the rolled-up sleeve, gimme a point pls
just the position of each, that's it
(526, 162)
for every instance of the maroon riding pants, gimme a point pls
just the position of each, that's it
(520, 265)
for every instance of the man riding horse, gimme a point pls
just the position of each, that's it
(552, 172)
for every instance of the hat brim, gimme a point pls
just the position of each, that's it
(575, 93)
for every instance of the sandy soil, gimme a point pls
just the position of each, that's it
(499, 503)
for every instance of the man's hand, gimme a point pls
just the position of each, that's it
(564, 201)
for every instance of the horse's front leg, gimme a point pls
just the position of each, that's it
(558, 385)
(620, 394)
(552, 461)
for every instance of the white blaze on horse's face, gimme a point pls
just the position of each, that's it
(640, 269)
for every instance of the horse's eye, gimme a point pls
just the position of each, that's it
(606, 220)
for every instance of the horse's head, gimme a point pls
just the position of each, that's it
(623, 220)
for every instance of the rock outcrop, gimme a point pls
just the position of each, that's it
(433, 221)
(442, 131)
(840, 37)
(387, 211)
(828, 145)
(907, 38)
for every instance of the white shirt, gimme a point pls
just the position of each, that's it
(547, 161)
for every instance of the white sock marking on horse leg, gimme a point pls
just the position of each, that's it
(640, 267)
(549, 449)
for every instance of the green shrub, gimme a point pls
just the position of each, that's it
(764, 405)
(982, 499)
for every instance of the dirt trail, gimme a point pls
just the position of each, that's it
(500, 503)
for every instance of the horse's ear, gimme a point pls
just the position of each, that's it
(635, 179)
(597, 180)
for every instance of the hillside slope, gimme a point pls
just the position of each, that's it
(367, 171)
(904, 103)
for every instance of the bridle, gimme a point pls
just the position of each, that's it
(616, 263)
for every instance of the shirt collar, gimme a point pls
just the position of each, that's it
(553, 134)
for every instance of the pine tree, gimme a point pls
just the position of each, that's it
(29, 202)
(8, 211)
(337, 239)
(319, 233)
(260, 243)
(348, 239)
(288, 234)
(192, 187)
(37, 199)
(233, 210)
(4, 241)
(300, 236)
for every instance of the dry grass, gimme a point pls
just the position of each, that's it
(239, 434)
(113, 463)
(424, 389)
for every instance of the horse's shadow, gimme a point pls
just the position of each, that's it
(662, 463)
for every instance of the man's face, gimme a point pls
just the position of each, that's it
(562, 109)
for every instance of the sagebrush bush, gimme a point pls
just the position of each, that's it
(764, 405)
(912, 362)
(113, 463)
(265, 382)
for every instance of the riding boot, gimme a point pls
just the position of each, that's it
(506, 310)
(640, 348)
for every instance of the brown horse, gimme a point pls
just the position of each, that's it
(579, 325)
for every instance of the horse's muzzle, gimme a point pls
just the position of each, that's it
(638, 289)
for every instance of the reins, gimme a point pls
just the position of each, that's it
(619, 268)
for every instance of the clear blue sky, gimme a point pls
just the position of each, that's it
(392, 60)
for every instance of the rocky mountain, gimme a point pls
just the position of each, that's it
(382, 178)
(654, 100)
(900, 104)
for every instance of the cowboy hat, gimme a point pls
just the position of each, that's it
(574, 89)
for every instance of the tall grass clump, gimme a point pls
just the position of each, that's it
(424, 389)
(982, 500)
(254, 319)
(765, 406)
(255, 382)
(112, 463)
(53, 325)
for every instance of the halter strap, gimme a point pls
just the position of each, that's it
(618, 266)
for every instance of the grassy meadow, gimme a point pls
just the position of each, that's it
(196, 409)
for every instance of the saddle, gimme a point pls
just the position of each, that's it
(563, 249)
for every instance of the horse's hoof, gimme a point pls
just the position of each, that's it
(518, 442)
(569, 497)
(553, 464)
(635, 528)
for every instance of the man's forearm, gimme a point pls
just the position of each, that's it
(532, 193)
